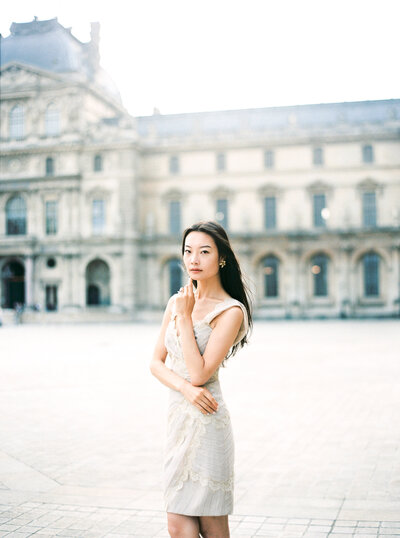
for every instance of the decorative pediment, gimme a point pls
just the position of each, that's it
(368, 184)
(221, 192)
(97, 193)
(319, 186)
(172, 194)
(269, 189)
(16, 77)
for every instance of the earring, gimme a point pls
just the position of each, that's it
(222, 263)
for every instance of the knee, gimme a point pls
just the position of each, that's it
(176, 528)
(173, 528)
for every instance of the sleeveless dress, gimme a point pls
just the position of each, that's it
(199, 450)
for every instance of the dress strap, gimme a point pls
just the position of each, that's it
(224, 305)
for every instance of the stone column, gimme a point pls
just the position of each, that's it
(29, 281)
(293, 298)
(344, 284)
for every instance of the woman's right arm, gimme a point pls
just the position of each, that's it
(200, 397)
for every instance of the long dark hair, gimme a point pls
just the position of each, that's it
(231, 276)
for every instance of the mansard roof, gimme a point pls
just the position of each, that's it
(277, 120)
(52, 47)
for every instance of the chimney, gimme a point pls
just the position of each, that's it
(94, 54)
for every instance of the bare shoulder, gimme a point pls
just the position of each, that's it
(234, 313)
(170, 303)
(230, 316)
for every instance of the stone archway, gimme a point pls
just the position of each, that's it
(13, 284)
(98, 283)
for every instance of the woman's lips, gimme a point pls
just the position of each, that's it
(195, 270)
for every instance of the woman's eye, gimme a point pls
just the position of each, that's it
(205, 251)
(187, 251)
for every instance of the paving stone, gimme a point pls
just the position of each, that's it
(324, 452)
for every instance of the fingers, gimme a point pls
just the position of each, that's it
(188, 289)
(208, 402)
(211, 400)
(205, 408)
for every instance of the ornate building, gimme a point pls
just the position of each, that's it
(93, 201)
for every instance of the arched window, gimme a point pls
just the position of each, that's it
(16, 216)
(270, 266)
(175, 276)
(49, 166)
(13, 284)
(98, 283)
(319, 270)
(371, 274)
(52, 121)
(97, 163)
(17, 122)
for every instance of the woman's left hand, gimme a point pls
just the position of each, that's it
(185, 300)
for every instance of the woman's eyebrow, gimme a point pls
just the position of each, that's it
(204, 246)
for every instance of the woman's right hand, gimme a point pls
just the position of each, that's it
(200, 397)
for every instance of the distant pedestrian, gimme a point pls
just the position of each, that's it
(201, 328)
(18, 309)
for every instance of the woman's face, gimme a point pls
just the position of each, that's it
(200, 256)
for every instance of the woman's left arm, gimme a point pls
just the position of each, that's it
(228, 323)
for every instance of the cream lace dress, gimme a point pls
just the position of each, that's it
(199, 451)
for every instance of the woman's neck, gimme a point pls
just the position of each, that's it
(210, 289)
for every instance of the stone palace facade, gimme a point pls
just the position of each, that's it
(93, 201)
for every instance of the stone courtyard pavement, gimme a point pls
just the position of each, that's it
(315, 408)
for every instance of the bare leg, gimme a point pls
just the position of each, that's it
(180, 526)
(214, 526)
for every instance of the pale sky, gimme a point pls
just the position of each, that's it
(190, 56)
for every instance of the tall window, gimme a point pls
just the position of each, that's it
(97, 163)
(221, 162)
(49, 166)
(16, 216)
(175, 275)
(319, 270)
(98, 216)
(270, 269)
(369, 208)
(52, 121)
(270, 212)
(175, 217)
(222, 212)
(269, 159)
(16, 122)
(371, 274)
(319, 204)
(368, 154)
(174, 164)
(318, 157)
(51, 298)
(51, 217)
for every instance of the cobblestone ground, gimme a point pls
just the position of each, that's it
(315, 411)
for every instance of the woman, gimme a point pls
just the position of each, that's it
(200, 329)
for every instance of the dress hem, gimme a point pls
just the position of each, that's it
(197, 515)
